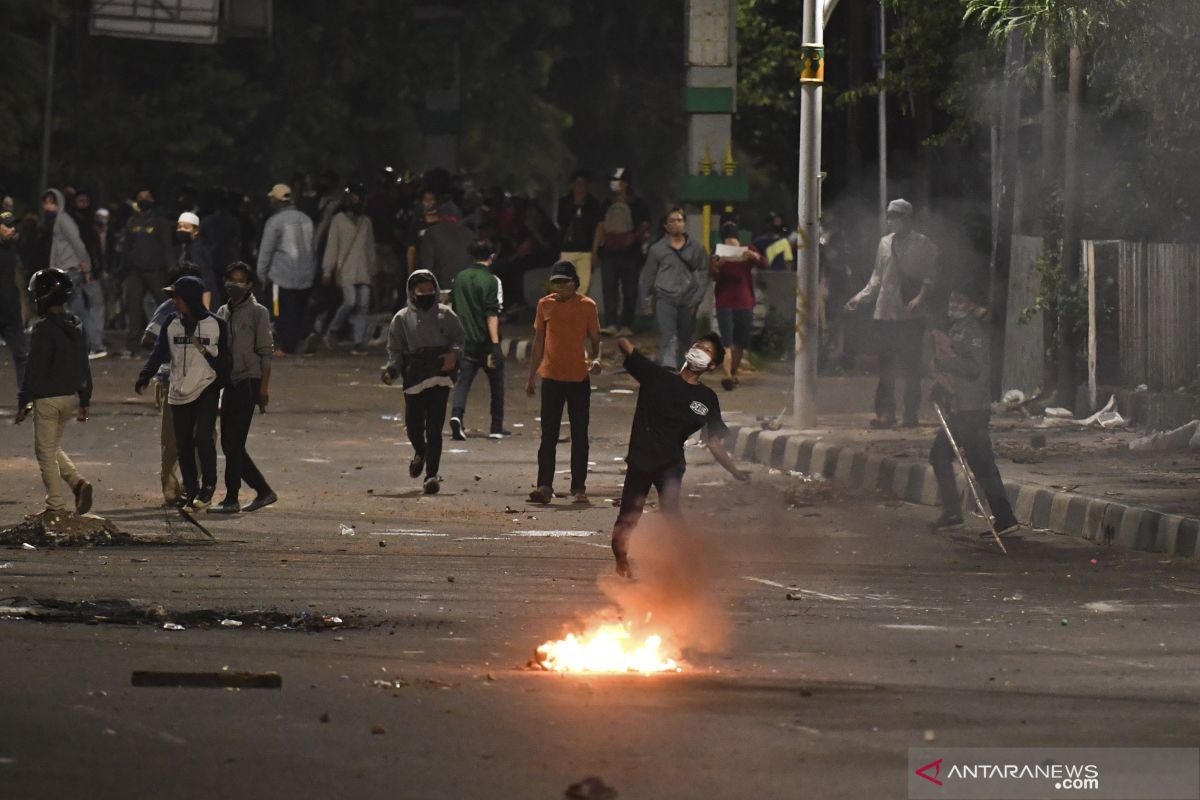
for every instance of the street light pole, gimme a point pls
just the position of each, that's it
(804, 390)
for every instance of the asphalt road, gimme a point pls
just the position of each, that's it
(853, 632)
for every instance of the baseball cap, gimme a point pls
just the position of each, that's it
(280, 191)
(564, 270)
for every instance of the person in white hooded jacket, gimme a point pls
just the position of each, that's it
(197, 344)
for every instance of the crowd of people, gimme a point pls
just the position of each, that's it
(222, 303)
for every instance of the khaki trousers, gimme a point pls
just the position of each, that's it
(51, 415)
(583, 266)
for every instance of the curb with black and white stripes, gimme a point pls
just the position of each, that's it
(1067, 513)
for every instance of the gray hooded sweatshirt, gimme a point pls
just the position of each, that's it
(417, 340)
(67, 251)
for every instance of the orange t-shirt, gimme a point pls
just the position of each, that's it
(568, 324)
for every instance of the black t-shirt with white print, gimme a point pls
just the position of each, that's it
(669, 410)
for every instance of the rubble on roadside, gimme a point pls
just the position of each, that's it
(1182, 438)
(50, 529)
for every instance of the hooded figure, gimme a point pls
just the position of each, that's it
(69, 253)
(425, 342)
(197, 345)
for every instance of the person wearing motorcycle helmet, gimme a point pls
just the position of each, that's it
(56, 374)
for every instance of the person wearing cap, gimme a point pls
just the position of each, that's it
(477, 298)
(285, 260)
(674, 280)
(578, 216)
(146, 253)
(250, 349)
(565, 322)
(197, 345)
(425, 343)
(671, 406)
(56, 375)
(11, 329)
(193, 253)
(901, 286)
(962, 387)
(617, 247)
(349, 262)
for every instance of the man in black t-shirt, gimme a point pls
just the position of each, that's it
(671, 406)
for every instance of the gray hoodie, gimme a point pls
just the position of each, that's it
(679, 276)
(285, 256)
(418, 339)
(67, 251)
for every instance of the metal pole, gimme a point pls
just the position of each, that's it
(804, 391)
(881, 73)
(48, 114)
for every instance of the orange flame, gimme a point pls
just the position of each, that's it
(611, 647)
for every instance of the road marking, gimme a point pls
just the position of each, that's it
(406, 532)
(551, 534)
(915, 627)
(764, 582)
(1106, 606)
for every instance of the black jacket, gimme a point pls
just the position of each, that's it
(58, 361)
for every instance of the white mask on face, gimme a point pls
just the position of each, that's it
(698, 359)
(614, 185)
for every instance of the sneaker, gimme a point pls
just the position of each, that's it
(625, 331)
(226, 506)
(358, 350)
(262, 501)
(499, 433)
(309, 345)
(83, 497)
(203, 498)
(727, 384)
(947, 522)
(433, 484)
(416, 466)
(608, 330)
(580, 498)
(542, 495)
(101, 353)
(910, 423)
(456, 430)
(883, 422)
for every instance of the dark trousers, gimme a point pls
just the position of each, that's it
(424, 418)
(900, 346)
(620, 281)
(970, 429)
(294, 322)
(668, 482)
(13, 332)
(137, 285)
(237, 412)
(194, 424)
(470, 367)
(577, 397)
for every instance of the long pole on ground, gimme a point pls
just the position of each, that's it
(48, 113)
(804, 390)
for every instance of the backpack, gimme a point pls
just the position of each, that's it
(619, 231)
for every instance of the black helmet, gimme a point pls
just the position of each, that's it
(50, 287)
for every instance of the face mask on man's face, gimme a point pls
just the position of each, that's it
(614, 185)
(424, 301)
(182, 237)
(236, 291)
(698, 359)
(145, 205)
(956, 313)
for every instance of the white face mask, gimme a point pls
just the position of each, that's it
(614, 185)
(698, 359)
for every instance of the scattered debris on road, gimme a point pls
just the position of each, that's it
(590, 788)
(125, 612)
(63, 530)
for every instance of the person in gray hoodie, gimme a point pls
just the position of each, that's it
(425, 343)
(285, 260)
(250, 348)
(69, 253)
(675, 278)
(963, 390)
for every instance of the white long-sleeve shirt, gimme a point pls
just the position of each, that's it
(912, 260)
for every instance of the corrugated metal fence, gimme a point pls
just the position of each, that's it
(1158, 314)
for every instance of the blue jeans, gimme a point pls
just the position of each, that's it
(355, 300)
(468, 368)
(87, 303)
(676, 326)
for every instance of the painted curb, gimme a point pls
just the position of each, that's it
(1066, 513)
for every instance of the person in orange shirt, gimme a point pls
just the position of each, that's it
(565, 321)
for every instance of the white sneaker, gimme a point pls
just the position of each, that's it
(101, 353)
(625, 332)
